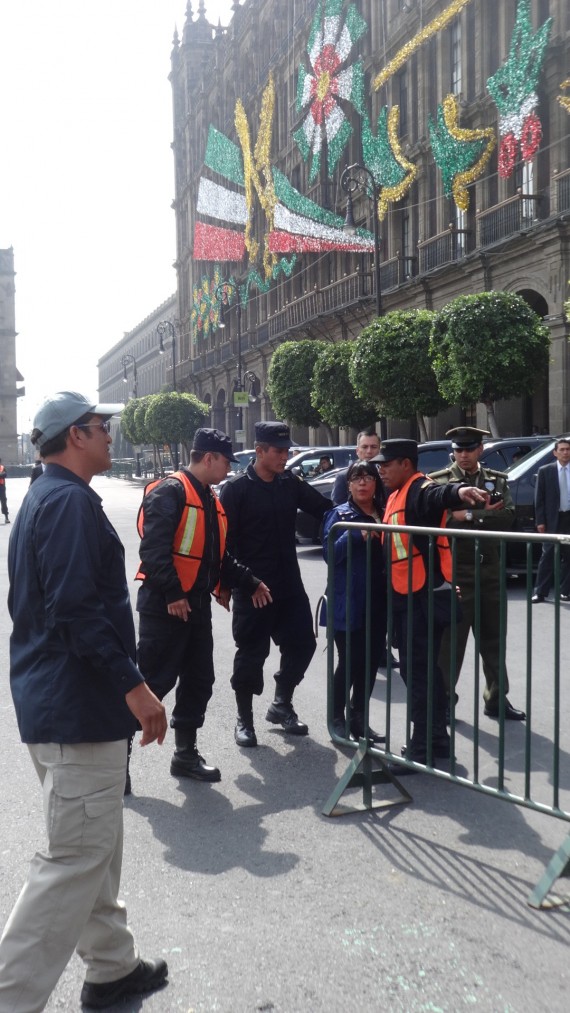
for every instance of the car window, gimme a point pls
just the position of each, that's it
(494, 459)
(532, 462)
(433, 460)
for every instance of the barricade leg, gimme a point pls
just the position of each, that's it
(361, 773)
(558, 867)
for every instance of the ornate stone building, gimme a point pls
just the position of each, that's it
(9, 375)
(460, 111)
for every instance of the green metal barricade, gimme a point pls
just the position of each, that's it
(373, 765)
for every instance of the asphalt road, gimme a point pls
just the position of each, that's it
(259, 902)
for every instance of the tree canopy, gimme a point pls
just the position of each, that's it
(333, 395)
(487, 347)
(172, 417)
(391, 366)
(290, 381)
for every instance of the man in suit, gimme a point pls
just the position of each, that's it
(367, 447)
(552, 516)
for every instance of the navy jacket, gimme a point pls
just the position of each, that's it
(349, 512)
(72, 649)
(547, 497)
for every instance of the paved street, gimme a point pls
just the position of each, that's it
(260, 903)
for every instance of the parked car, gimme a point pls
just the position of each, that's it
(433, 455)
(306, 462)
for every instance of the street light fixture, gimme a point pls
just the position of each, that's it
(167, 327)
(353, 180)
(222, 291)
(124, 363)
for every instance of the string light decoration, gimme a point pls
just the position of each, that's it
(384, 157)
(418, 40)
(513, 88)
(330, 43)
(564, 99)
(460, 154)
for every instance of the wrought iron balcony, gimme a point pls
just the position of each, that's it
(507, 219)
(445, 248)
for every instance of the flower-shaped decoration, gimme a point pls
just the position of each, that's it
(330, 43)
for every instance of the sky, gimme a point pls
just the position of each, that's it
(86, 177)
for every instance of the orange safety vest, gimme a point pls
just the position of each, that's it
(395, 513)
(190, 537)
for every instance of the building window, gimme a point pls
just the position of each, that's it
(455, 57)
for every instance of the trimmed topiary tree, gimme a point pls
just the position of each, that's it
(333, 395)
(488, 347)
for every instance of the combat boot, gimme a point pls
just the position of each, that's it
(244, 733)
(186, 761)
(281, 712)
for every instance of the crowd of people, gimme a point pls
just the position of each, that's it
(82, 687)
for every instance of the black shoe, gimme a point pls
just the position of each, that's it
(146, 977)
(339, 728)
(414, 753)
(565, 597)
(194, 766)
(357, 731)
(282, 713)
(511, 714)
(537, 599)
(6, 520)
(244, 734)
(383, 663)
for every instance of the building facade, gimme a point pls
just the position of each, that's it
(10, 389)
(140, 363)
(460, 112)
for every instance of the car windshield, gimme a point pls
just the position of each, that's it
(521, 466)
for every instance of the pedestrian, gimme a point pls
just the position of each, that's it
(184, 561)
(552, 516)
(3, 501)
(261, 506)
(497, 514)
(367, 447)
(38, 469)
(365, 505)
(415, 500)
(78, 696)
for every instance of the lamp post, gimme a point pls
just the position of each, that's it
(124, 363)
(167, 327)
(353, 180)
(357, 178)
(221, 291)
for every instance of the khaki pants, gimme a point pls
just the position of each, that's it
(69, 900)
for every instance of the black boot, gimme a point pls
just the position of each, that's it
(244, 733)
(187, 761)
(128, 789)
(281, 713)
(357, 728)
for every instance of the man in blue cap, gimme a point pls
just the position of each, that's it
(184, 561)
(261, 506)
(78, 696)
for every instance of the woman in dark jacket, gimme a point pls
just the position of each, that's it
(365, 504)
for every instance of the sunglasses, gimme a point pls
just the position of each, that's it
(105, 427)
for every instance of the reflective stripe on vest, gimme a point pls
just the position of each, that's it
(395, 513)
(190, 538)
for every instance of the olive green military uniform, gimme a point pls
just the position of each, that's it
(485, 520)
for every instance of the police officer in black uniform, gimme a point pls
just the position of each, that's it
(261, 506)
(496, 515)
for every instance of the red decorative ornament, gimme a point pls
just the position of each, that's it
(531, 136)
(507, 155)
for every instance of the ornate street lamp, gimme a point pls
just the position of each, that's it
(222, 291)
(124, 363)
(167, 327)
(358, 179)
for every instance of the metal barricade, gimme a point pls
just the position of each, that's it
(501, 774)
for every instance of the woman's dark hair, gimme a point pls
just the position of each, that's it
(358, 468)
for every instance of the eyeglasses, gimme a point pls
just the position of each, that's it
(105, 427)
(363, 478)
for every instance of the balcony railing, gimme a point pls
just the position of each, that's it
(562, 184)
(445, 248)
(507, 219)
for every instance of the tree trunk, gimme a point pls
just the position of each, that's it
(492, 420)
(421, 427)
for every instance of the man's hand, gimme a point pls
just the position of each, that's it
(180, 609)
(470, 494)
(223, 598)
(261, 596)
(149, 712)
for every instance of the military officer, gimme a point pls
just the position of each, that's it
(497, 514)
